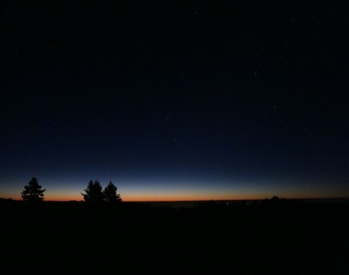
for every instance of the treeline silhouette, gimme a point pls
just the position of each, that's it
(94, 192)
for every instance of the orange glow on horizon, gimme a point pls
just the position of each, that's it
(193, 194)
(176, 197)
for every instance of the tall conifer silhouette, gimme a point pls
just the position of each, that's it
(33, 191)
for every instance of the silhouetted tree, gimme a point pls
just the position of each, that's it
(33, 192)
(275, 198)
(110, 193)
(93, 192)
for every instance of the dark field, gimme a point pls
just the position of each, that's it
(271, 237)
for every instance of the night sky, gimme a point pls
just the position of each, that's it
(175, 100)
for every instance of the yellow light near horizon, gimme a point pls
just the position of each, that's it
(194, 193)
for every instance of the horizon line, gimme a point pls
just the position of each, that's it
(203, 200)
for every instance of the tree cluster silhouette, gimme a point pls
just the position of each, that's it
(94, 193)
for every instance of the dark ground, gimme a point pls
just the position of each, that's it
(279, 237)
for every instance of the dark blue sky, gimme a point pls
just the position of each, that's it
(175, 99)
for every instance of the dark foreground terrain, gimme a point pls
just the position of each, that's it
(273, 237)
